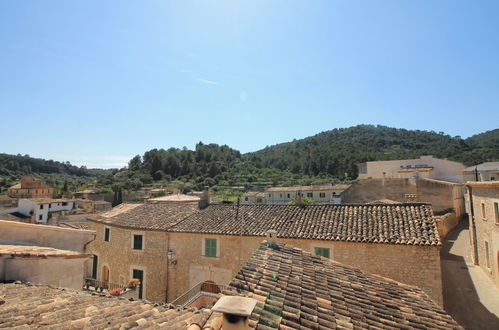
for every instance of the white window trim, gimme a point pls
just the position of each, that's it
(104, 234)
(143, 240)
(203, 245)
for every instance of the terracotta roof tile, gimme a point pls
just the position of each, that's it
(298, 289)
(152, 216)
(31, 306)
(411, 224)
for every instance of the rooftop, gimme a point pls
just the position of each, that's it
(149, 216)
(49, 200)
(37, 251)
(254, 194)
(310, 188)
(296, 289)
(489, 166)
(25, 306)
(408, 223)
(177, 198)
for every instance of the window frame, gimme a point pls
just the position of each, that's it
(205, 247)
(484, 211)
(496, 213)
(141, 241)
(107, 231)
(318, 251)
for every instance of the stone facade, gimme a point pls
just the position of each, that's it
(424, 167)
(164, 278)
(120, 258)
(30, 187)
(483, 208)
(414, 265)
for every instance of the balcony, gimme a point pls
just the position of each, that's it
(201, 295)
(113, 289)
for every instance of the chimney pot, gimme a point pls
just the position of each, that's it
(236, 311)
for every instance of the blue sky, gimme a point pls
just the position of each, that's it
(97, 82)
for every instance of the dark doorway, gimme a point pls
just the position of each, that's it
(95, 263)
(139, 274)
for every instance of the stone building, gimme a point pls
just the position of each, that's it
(174, 247)
(132, 242)
(483, 172)
(279, 287)
(30, 187)
(323, 194)
(423, 167)
(483, 209)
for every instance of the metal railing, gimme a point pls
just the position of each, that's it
(206, 288)
(92, 284)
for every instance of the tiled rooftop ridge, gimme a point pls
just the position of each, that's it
(408, 223)
(296, 289)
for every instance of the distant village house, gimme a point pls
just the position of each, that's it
(30, 187)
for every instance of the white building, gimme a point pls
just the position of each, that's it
(424, 167)
(483, 172)
(325, 194)
(40, 208)
(253, 197)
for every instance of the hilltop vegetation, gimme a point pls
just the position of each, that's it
(329, 156)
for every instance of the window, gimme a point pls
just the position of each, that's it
(137, 242)
(483, 212)
(40, 217)
(246, 199)
(322, 195)
(270, 195)
(310, 194)
(210, 247)
(107, 234)
(280, 195)
(41, 207)
(496, 213)
(64, 203)
(258, 200)
(50, 206)
(487, 252)
(289, 196)
(322, 252)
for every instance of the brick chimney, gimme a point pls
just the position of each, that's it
(205, 198)
(298, 201)
(236, 311)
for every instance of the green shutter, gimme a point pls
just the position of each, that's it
(322, 252)
(210, 247)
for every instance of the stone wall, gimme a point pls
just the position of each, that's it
(43, 235)
(370, 190)
(46, 271)
(442, 195)
(445, 223)
(487, 230)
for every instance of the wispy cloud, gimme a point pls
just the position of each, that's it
(207, 82)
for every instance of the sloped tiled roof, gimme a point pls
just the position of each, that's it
(298, 290)
(410, 223)
(30, 306)
(149, 216)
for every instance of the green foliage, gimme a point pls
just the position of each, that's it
(304, 200)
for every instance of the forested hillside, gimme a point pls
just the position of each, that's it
(336, 152)
(56, 174)
(325, 157)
